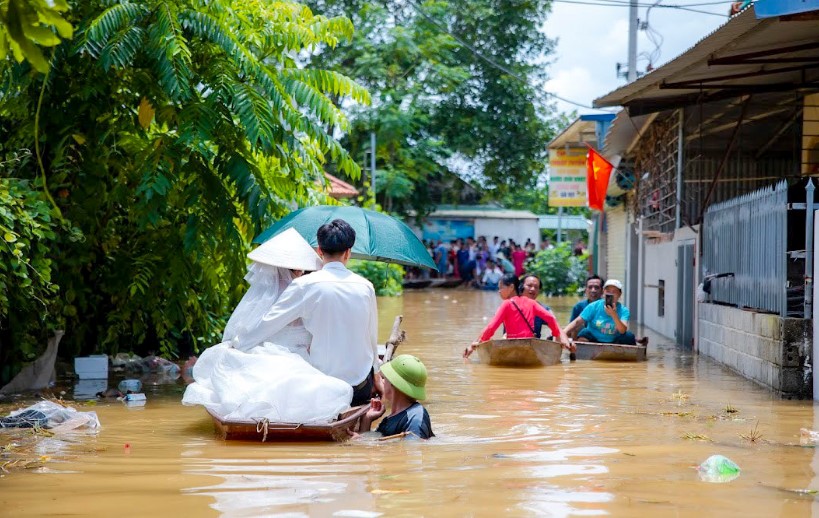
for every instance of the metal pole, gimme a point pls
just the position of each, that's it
(641, 273)
(814, 353)
(680, 144)
(809, 189)
(559, 225)
(372, 163)
(632, 41)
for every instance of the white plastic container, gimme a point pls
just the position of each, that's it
(130, 385)
(135, 399)
(91, 367)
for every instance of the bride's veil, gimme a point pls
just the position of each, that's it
(266, 285)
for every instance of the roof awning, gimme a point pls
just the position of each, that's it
(339, 188)
(747, 55)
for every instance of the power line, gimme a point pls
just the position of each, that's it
(604, 3)
(489, 60)
(649, 4)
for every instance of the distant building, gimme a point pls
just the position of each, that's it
(448, 222)
(720, 143)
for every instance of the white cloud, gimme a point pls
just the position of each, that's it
(593, 39)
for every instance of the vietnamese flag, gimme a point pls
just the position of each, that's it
(598, 170)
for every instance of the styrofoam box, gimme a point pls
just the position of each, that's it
(91, 367)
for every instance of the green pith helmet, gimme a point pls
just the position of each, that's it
(407, 374)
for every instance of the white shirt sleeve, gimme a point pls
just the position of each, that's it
(285, 310)
(374, 329)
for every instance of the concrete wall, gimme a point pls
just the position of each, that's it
(518, 229)
(616, 243)
(768, 349)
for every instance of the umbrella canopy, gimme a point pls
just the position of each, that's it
(378, 237)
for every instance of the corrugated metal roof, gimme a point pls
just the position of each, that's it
(578, 133)
(483, 213)
(624, 132)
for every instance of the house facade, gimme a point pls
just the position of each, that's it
(720, 143)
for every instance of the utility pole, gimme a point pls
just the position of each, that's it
(631, 74)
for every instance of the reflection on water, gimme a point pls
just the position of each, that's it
(580, 439)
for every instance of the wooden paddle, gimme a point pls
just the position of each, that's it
(397, 336)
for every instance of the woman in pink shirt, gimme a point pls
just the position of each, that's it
(518, 258)
(518, 315)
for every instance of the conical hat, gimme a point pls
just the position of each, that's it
(287, 250)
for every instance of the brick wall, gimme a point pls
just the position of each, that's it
(768, 349)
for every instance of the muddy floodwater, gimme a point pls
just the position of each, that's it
(576, 439)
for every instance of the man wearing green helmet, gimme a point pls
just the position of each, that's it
(404, 380)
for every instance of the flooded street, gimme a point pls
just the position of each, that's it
(577, 439)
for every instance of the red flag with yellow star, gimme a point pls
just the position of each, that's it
(598, 170)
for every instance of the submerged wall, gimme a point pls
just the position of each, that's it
(768, 349)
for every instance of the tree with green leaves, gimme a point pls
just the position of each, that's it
(456, 86)
(166, 135)
(407, 63)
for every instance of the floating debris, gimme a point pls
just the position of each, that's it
(696, 437)
(808, 437)
(754, 435)
(718, 469)
(680, 396)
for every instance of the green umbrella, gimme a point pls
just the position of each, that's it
(378, 237)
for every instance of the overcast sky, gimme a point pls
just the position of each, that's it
(592, 39)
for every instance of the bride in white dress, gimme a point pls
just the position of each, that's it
(274, 380)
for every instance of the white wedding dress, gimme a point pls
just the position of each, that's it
(272, 380)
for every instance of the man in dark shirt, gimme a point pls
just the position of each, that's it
(594, 290)
(404, 380)
(531, 289)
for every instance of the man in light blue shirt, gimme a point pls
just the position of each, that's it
(606, 320)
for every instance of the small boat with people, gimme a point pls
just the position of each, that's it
(339, 430)
(296, 376)
(519, 352)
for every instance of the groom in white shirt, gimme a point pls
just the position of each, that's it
(338, 307)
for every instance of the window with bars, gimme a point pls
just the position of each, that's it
(656, 171)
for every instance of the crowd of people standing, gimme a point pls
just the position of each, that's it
(481, 263)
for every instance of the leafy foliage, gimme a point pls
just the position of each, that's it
(387, 278)
(171, 134)
(561, 272)
(27, 25)
(28, 227)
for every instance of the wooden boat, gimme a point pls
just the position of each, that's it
(520, 352)
(264, 431)
(417, 284)
(611, 352)
(446, 283)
